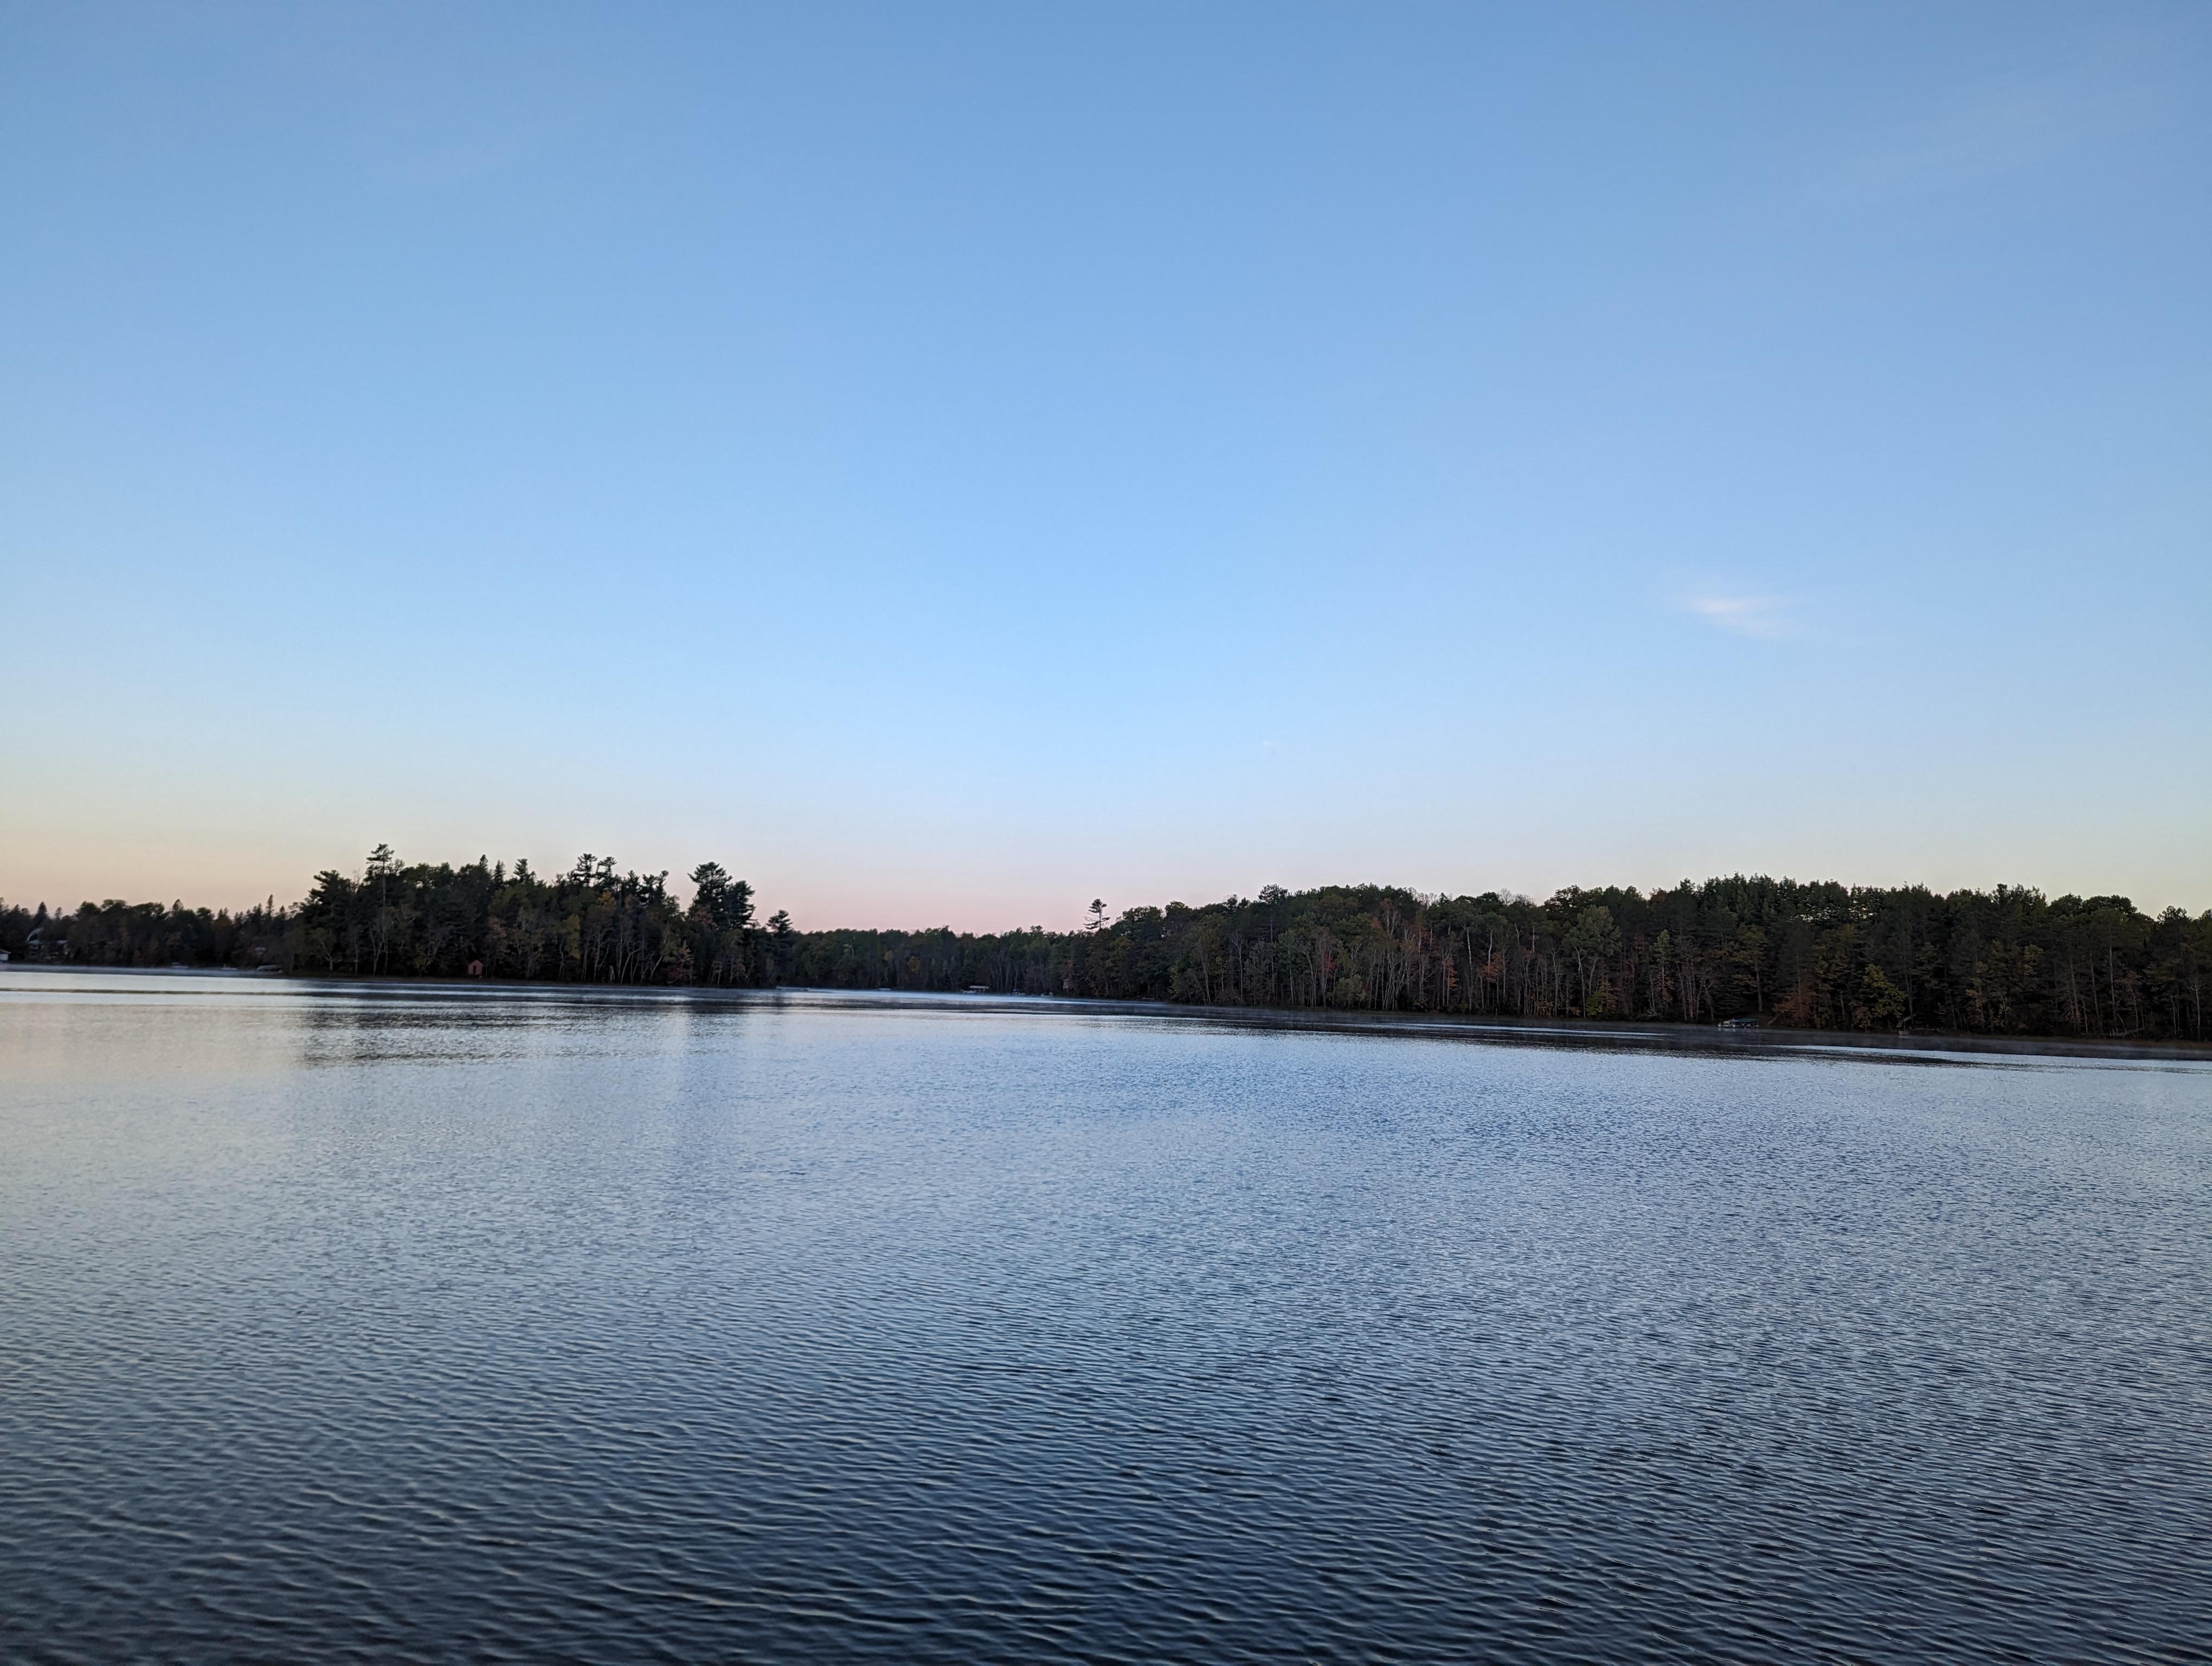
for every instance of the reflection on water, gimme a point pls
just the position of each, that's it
(437, 1323)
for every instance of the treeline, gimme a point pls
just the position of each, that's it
(148, 934)
(1826, 957)
(594, 924)
(1816, 956)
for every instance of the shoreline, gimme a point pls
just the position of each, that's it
(1647, 1036)
(1634, 1036)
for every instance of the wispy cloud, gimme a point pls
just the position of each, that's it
(424, 152)
(1990, 131)
(1762, 617)
(2008, 125)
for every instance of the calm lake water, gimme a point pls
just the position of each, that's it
(369, 1323)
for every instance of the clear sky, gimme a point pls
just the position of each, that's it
(949, 463)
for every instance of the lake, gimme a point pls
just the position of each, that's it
(381, 1322)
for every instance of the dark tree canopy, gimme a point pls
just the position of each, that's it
(1819, 955)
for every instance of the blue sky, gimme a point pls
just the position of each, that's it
(950, 462)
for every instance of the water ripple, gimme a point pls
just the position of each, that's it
(498, 1328)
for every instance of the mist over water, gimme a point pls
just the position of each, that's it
(376, 1323)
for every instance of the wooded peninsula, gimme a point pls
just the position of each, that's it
(1814, 955)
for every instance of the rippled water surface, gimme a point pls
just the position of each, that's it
(382, 1324)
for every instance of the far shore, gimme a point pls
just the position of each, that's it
(1627, 1035)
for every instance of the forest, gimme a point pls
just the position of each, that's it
(1819, 955)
